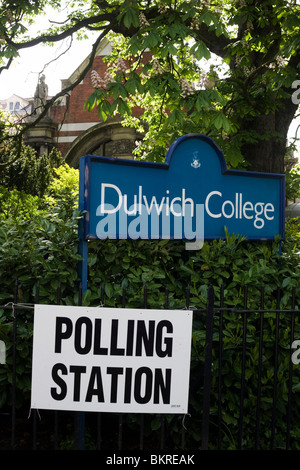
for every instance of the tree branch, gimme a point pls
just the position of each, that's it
(85, 23)
(6, 67)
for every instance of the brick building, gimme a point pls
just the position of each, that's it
(76, 131)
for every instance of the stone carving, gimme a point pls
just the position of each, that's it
(123, 147)
(40, 95)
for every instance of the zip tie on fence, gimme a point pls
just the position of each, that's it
(31, 306)
(37, 411)
(183, 420)
(13, 305)
(9, 303)
(192, 308)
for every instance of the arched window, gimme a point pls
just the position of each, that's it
(105, 149)
(109, 139)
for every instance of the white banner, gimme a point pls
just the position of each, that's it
(112, 360)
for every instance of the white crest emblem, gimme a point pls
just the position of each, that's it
(195, 163)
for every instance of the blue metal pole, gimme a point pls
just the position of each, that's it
(79, 421)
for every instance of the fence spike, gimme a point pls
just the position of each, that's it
(207, 367)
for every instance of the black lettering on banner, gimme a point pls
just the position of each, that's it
(130, 333)
(87, 337)
(114, 350)
(77, 370)
(128, 379)
(61, 333)
(56, 395)
(145, 338)
(148, 384)
(138, 385)
(83, 323)
(167, 351)
(115, 372)
(162, 386)
(97, 338)
(95, 387)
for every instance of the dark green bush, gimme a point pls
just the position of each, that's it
(23, 169)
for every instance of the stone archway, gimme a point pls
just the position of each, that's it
(109, 139)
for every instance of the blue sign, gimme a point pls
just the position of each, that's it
(191, 196)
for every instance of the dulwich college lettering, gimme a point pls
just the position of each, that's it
(258, 212)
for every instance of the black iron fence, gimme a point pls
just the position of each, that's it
(244, 384)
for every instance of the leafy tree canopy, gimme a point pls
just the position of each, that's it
(228, 69)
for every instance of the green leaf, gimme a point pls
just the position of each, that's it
(221, 121)
(117, 89)
(286, 281)
(202, 100)
(10, 51)
(169, 49)
(86, 298)
(234, 156)
(109, 290)
(208, 17)
(130, 16)
(92, 100)
(200, 51)
(133, 84)
(123, 107)
(174, 119)
(152, 40)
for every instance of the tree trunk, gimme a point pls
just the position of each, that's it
(267, 154)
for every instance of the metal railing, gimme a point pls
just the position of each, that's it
(226, 414)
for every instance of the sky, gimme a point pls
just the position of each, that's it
(22, 77)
